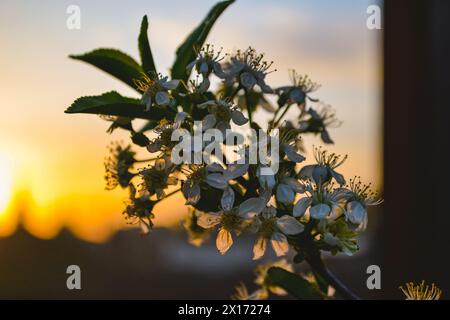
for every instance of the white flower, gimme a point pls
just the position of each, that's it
(206, 62)
(220, 177)
(273, 229)
(156, 88)
(324, 202)
(299, 90)
(191, 187)
(227, 218)
(248, 69)
(221, 112)
(289, 141)
(360, 196)
(319, 122)
(322, 172)
(157, 178)
(224, 238)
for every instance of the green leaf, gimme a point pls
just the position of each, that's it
(186, 53)
(321, 282)
(293, 284)
(148, 64)
(112, 103)
(151, 124)
(114, 62)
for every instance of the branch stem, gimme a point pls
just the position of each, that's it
(317, 264)
(282, 115)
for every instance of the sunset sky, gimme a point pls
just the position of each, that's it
(51, 163)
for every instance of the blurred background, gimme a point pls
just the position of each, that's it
(54, 209)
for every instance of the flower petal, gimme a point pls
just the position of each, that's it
(321, 174)
(292, 154)
(235, 170)
(216, 180)
(227, 200)
(267, 181)
(214, 167)
(162, 98)
(289, 225)
(294, 184)
(326, 137)
(209, 220)
(320, 211)
(265, 87)
(279, 244)
(285, 194)
(203, 68)
(180, 117)
(218, 70)
(259, 248)
(297, 95)
(170, 85)
(208, 122)
(248, 80)
(338, 177)
(191, 193)
(306, 172)
(224, 240)
(301, 206)
(238, 118)
(356, 212)
(251, 207)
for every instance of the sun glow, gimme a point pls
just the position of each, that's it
(6, 182)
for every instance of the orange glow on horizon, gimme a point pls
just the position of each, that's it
(51, 163)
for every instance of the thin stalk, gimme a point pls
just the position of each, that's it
(145, 160)
(171, 193)
(317, 264)
(282, 115)
(249, 112)
(235, 92)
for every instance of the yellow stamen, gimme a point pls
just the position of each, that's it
(421, 291)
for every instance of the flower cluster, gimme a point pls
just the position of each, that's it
(285, 209)
(237, 175)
